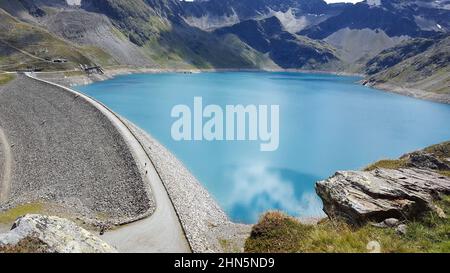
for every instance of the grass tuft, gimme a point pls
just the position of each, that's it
(387, 164)
(6, 78)
(9, 216)
(276, 232)
(445, 173)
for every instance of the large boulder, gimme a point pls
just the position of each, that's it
(359, 196)
(47, 234)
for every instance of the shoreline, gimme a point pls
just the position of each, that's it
(110, 72)
(409, 92)
(77, 78)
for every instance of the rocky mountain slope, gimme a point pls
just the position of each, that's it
(420, 64)
(359, 31)
(394, 17)
(285, 49)
(23, 45)
(118, 32)
(397, 54)
(357, 46)
(363, 30)
(157, 28)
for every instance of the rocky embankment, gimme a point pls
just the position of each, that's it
(47, 234)
(206, 226)
(65, 151)
(402, 189)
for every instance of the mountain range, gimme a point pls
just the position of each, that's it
(373, 37)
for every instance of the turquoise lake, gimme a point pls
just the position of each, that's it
(327, 123)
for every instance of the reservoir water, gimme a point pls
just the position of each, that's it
(327, 123)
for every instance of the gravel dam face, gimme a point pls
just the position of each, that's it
(65, 151)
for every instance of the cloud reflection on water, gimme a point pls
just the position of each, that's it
(256, 189)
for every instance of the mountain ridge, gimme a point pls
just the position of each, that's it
(287, 50)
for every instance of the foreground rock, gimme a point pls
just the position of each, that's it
(359, 196)
(46, 234)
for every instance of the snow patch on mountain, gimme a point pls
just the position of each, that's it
(294, 24)
(73, 2)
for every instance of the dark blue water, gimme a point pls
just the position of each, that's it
(327, 123)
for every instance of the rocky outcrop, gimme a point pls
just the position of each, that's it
(359, 196)
(422, 159)
(47, 234)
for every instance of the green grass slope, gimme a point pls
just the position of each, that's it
(23, 45)
(279, 233)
